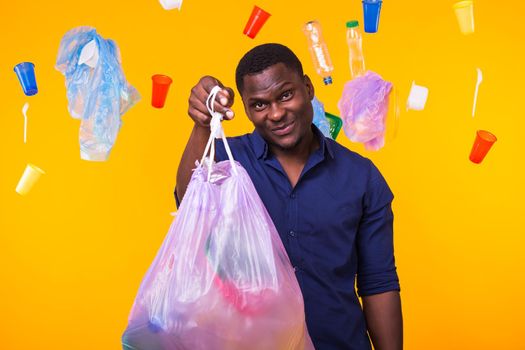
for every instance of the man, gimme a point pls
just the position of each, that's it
(331, 207)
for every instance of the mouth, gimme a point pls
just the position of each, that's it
(284, 129)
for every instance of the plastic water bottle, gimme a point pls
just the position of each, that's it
(319, 117)
(319, 51)
(354, 40)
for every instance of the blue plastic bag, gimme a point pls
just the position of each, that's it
(98, 93)
(319, 118)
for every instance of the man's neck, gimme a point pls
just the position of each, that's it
(300, 154)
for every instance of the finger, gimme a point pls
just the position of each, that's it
(230, 93)
(227, 112)
(208, 83)
(196, 103)
(199, 117)
(223, 101)
(226, 97)
(202, 92)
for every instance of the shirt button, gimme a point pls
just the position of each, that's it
(292, 195)
(292, 233)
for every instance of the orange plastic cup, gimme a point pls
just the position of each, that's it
(482, 144)
(256, 21)
(161, 85)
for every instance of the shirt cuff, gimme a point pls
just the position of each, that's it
(377, 283)
(177, 201)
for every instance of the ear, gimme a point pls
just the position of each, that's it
(246, 109)
(309, 87)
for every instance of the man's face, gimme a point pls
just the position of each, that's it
(278, 103)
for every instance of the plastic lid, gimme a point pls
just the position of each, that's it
(352, 24)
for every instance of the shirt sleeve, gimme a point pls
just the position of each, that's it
(376, 270)
(177, 200)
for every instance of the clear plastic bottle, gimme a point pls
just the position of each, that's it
(319, 51)
(354, 40)
(320, 118)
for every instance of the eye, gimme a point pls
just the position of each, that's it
(259, 106)
(287, 95)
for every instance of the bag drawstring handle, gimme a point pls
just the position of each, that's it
(216, 132)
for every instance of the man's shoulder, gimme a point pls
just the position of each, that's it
(361, 168)
(345, 155)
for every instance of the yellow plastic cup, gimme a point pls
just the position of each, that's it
(28, 179)
(465, 15)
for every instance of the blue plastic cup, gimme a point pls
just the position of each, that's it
(371, 11)
(25, 72)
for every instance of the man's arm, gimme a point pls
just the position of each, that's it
(193, 151)
(200, 134)
(384, 320)
(377, 280)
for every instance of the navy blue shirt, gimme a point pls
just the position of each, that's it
(336, 225)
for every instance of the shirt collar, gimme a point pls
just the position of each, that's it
(261, 149)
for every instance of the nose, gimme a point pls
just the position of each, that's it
(277, 112)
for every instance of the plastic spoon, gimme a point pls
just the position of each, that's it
(24, 111)
(480, 79)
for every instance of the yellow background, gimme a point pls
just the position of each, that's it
(73, 252)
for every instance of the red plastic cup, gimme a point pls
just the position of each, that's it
(482, 144)
(245, 302)
(256, 21)
(161, 85)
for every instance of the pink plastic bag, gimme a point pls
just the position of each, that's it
(363, 108)
(222, 278)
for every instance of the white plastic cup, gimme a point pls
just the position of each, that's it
(417, 97)
(89, 54)
(465, 14)
(171, 4)
(31, 175)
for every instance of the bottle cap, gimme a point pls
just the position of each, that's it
(327, 80)
(352, 24)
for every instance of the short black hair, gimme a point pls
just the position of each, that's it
(263, 56)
